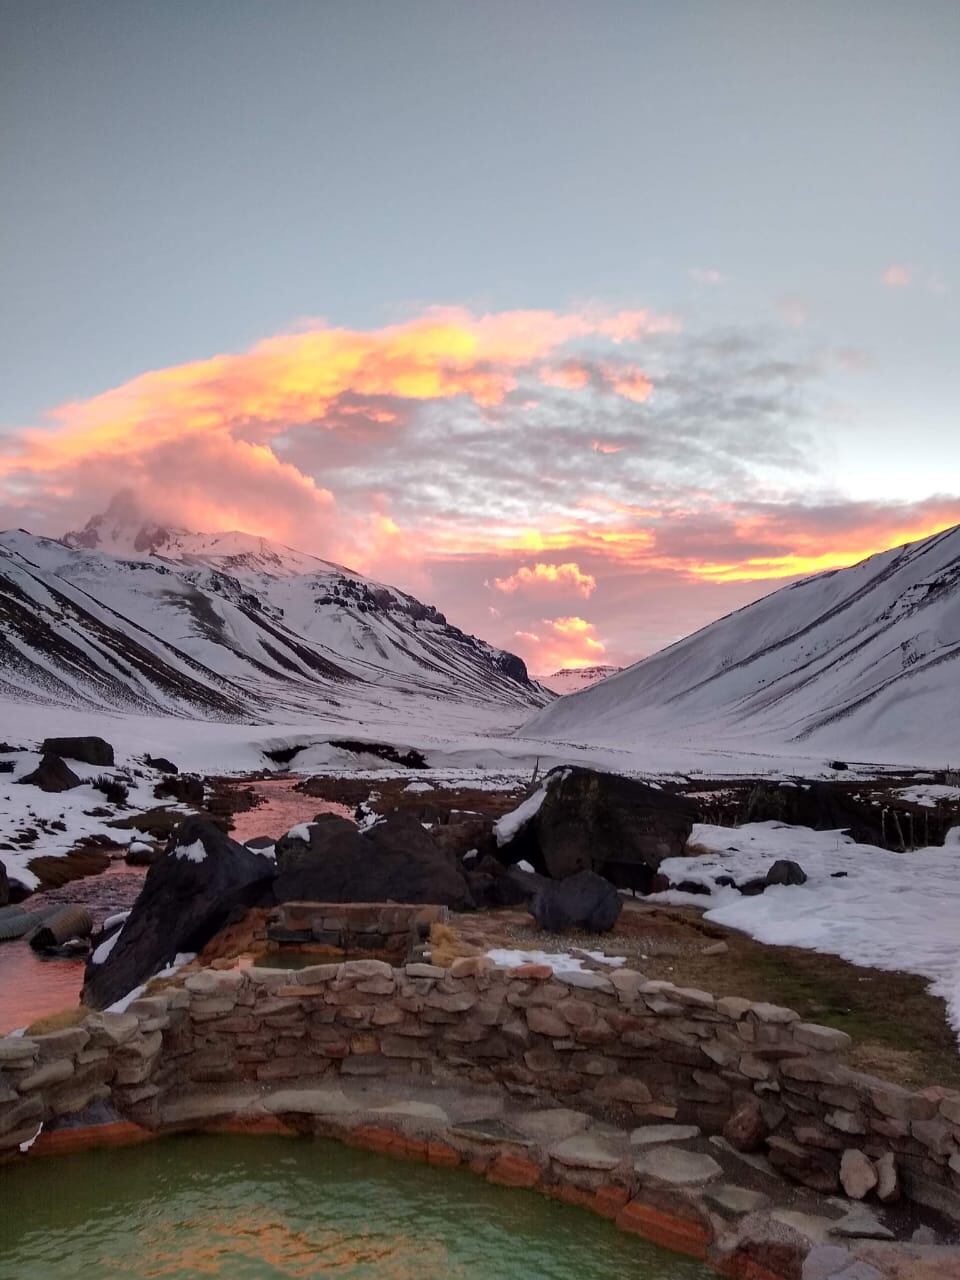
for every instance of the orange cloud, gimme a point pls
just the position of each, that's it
(562, 575)
(897, 276)
(632, 384)
(603, 446)
(562, 642)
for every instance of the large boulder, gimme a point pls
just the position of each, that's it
(52, 774)
(89, 750)
(582, 820)
(582, 901)
(4, 886)
(395, 860)
(187, 896)
(494, 885)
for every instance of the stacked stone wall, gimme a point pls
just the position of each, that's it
(616, 1045)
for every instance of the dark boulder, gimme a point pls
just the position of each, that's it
(187, 896)
(785, 871)
(183, 789)
(493, 885)
(582, 901)
(393, 861)
(4, 886)
(460, 832)
(161, 764)
(52, 774)
(590, 821)
(90, 750)
(142, 855)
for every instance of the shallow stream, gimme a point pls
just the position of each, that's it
(263, 1208)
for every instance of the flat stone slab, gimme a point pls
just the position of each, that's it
(655, 1135)
(207, 1106)
(491, 1130)
(810, 1225)
(733, 1200)
(751, 1158)
(676, 1167)
(413, 1111)
(310, 1102)
(861, 1224)
(585, 1152)
(553, 1125)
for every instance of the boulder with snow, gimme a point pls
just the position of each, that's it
(52, 774)
(584, 820)
(394, 860)
(88, 750)
(581, 901)
(187, 896)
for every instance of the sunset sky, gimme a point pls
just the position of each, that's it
(586, 321)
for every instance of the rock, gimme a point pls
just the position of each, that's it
(590, 821)
(857, 1174)
(715, 949)
(655, 1135)
(89, 750)
(186, 898)
(809, 1166)
(494, 885)
(733, 1200)
(585, 1152)
(4, 886)
(52, 775)
(861, 1224)
(888, 1179)
(677, 1167)
(182, 789)
(161, 764)
(924, 1235)
(785, 871)
(746, 1129)
(393, 861)
(581, 901)
(140, 854)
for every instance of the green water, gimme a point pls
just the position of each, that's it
(252, 1208)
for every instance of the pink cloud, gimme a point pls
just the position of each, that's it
(897, 276)
(553, 575)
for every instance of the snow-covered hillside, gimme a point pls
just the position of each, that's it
(573, 679)
(225, 626)
(864, 661)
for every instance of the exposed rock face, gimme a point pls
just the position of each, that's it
(52, 774)
(186, 897)
(89, 750)
(582, 901)
(618, 827)
(746, 1129)
(393, 861)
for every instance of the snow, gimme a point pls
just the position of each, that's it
(104, 949)
(506, 828)
(180, 959)
(300, 832)
(118, 917)
(859, 662)
(419, 788)
(559, 961)
(893, 911)
(523, 865)
(194, 852)
(929, 795)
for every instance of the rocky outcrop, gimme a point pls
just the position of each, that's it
(187, 896)
(589, 821)
(4, 886)
(331, 860)
(88, 750)
(52, 774)
(582, 901)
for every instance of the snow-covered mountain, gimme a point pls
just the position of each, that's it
(138, 617)
(865, 659)
(573, 679)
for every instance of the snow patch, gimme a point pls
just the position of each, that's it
(194, 852)
(559, 961)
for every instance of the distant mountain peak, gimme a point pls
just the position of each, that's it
(123, 529)
(572, 679)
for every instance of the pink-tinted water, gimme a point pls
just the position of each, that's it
(33, 986)
(282, 808)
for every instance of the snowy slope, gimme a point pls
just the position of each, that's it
(864, 660)
(573, 679)
(227, 625)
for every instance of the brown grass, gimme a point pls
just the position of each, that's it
(446, 945)
(58, 1021)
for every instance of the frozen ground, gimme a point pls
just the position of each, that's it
(866, 905)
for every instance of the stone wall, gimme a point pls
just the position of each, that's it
(615, 1045)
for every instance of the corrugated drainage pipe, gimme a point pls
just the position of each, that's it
(68, 922)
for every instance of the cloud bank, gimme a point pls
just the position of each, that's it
(505, 465)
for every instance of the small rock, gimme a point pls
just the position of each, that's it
(857, 1174)
(924, 1235)
(585, 1152)
(715, 949)
(746, 1129)
(888, 1180)
(785, 871)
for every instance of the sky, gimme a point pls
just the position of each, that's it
(587, 322)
